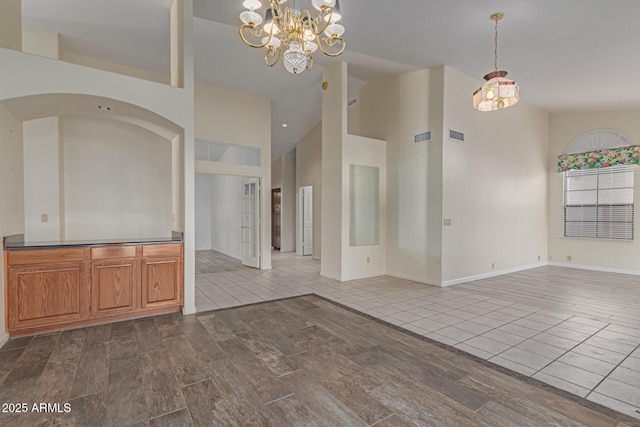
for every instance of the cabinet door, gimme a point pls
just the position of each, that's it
(161, 282)
(113, 287)
(46, 295)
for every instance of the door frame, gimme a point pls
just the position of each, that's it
(275, 191)
(301, 219)
(248, 261)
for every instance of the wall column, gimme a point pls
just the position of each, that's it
(11, 24)
(182, 76)
(334, 132)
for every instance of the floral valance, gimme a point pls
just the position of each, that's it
(600, 159)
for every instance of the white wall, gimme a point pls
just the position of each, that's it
(288, 217)
(11, 190)
(340, 260)
(494, 185)
(276, 173)
(43, 168)
(592, 253)
(368, 260)
(11, 24)
(203, 211)
(117, 180)
(226, 215)
(497, 205)
(41, 42)
(309, 172)
(97, 63)
(394, 109)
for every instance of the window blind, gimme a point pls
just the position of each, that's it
(598, 203)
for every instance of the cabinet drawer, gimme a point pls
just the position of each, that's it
(111, 252)
(172, 249)
(44, 256)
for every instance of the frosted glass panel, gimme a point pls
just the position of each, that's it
(251, 156)
(227, 153)
(217, 151)
(364, 196)
(202, 150)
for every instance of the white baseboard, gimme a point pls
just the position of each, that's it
(410, 277)
(348, 278)
(491, 274)
(595, 268)
(227, 254)
(188, 310)
(265, 267)
(330, 276)
(4, 337)
(316, 258)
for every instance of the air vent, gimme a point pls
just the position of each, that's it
(456, 136)
(422, 137)
(351, 102)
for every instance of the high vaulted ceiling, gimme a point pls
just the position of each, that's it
(567, 55)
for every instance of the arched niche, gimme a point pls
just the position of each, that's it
(83, 106)
(32, 107)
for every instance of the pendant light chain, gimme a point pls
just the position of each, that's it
(495, 52)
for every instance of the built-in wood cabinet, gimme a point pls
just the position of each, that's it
(50, 289)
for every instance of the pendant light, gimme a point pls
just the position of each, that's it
(498, 92)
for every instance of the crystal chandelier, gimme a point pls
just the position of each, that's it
(292, 34)
(498, 92)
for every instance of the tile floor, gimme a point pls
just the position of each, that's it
(576, 330)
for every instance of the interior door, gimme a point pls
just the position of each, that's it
(251, 223)
(276, 207)
(307, 220)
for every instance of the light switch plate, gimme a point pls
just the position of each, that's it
(44, 217)
(446, 221)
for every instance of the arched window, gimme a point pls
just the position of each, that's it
(596, 140)
(598, 196)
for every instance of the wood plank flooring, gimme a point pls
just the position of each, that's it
(302, 361)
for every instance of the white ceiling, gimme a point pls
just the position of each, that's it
(567, 55)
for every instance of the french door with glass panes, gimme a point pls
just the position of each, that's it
(251, 223)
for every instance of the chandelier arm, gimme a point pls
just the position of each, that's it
(309, 62)
(284, 23)
(309, 23)
(255, 32)
(323, 17)
(330, 42)
(271, 52)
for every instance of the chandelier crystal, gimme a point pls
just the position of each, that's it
(498, 92)
(291, 34)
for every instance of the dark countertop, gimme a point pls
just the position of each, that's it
(16, 242)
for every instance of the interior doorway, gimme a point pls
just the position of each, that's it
(305, 200)
(228, 217)
(276, 221)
